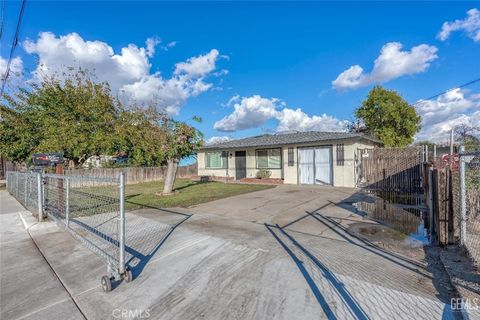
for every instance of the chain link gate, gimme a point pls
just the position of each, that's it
(91, 209)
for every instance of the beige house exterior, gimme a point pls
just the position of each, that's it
(326, 158)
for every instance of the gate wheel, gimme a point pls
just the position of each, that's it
(106, 284)
(128, 275)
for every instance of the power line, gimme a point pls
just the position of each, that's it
(2, 16)
(14, 45)
(447, 91)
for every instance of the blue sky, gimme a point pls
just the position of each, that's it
(277, 59)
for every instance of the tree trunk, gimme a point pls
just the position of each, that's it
(172, 165)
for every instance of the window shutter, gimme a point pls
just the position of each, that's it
(290, 157)
(340, 155)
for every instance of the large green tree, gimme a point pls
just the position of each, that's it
(74, 116)
(81, 118)
(388, 117)
(468, 136)
(140, 136)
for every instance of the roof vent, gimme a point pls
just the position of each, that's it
(286, 132)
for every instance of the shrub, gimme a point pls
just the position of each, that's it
(263, 174)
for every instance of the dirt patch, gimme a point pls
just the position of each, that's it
(381, 232)
(441, 280)
(463, 273)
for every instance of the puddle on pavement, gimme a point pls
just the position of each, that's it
(402, 223)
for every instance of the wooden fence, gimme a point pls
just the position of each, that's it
(399, 175)
(440, 204)
(406, 220)
(6, 165)
(135, 175)
(390, 169)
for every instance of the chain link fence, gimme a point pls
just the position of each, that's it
(467, 199)
(25, 187)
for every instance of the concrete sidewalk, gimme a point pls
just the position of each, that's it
(29, 287)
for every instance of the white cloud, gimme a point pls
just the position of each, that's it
(16, 67)
(217, 139)
(254, 111)
(16, 71)
(232, 100)
(198, 66)
(470, 25)
(353, 77)
(290, 119)
(392, 63)
(439, 116)
(129, 72)
(169, 45)
(250, 112)
(151, 43)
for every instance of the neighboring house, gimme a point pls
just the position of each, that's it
(98, 161)
(102, 161)
(313, 157)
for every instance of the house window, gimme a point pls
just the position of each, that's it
(269, 159)
(340, 155)
(216, 160)
(290, 157)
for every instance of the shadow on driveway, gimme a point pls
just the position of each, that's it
(354, 308)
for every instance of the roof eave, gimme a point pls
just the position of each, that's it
(226, 147)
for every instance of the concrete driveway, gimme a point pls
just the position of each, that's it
(230, 260)
(280, 205)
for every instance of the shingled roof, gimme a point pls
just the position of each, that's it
(280, 139)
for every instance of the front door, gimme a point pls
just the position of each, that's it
(240, 164)
(315, 165)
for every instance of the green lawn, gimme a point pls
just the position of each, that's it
(187, 193)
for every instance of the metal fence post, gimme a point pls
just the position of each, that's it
(40, 196)
(25, 189)
(67, 202)
(17, 190)
(16, 185)
(463, 203)
(121, 229)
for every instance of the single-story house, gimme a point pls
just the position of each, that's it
(313, 157)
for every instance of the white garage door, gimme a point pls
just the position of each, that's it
(315, 165)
